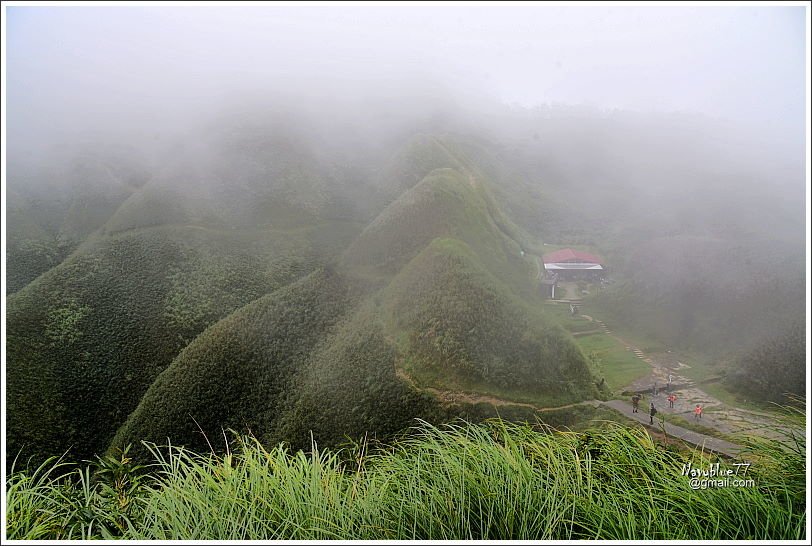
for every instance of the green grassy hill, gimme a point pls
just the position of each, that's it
(337, 377)
(461, 326)
(89, 336)
(51, 213)
(444, 203)
(421, 155)
(312, 290)
(238, 372)
(350, 389)
(246, 179)
(86, 339)
(178, 315)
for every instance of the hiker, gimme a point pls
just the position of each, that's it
(670, 377)
(635, 403)
(652, 411)
(698, 412)
(671, 399)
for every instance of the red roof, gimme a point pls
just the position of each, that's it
(568, 255)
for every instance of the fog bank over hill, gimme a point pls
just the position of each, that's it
(290, 219)
(144, 73)
(587, 153)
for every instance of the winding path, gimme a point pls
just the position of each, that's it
(702, 441)
(717, 415)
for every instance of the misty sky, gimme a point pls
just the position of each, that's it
(71, 69)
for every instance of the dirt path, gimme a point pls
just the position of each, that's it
(449, 396)
(716, 414)
(703, 441)
(462, 168)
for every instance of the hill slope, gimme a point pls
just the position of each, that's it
(86, 339)
(464, 328)
(51, 212)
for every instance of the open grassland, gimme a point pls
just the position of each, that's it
(612, 361)
(608, 357)
(461, 481)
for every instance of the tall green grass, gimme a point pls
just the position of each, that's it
(459, 481)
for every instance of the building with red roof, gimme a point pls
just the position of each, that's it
(572, 264)
(568, 255)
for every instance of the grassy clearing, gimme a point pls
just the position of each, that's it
(639, 338)
(619, 366)
(460, 481)
(609, 358)
(560, 313)
(703, 370)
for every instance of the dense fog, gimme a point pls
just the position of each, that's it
(405, 271)
(179, 178)
(142, 75)
(633, 122)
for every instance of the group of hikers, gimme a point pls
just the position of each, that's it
(652, 410)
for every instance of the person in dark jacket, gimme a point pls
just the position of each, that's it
(652, 411)
(635, 403)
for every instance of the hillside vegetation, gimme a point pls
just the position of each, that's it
(774, 369)
(84, 344)
(237, 373)
(462, 324)
(238, 288)
(275, 276)
(446, 203)
(337, 378)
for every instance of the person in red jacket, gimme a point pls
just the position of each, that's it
(698, 412)
(671, 399)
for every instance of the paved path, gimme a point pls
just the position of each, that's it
(716, 415)
(709, 443)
